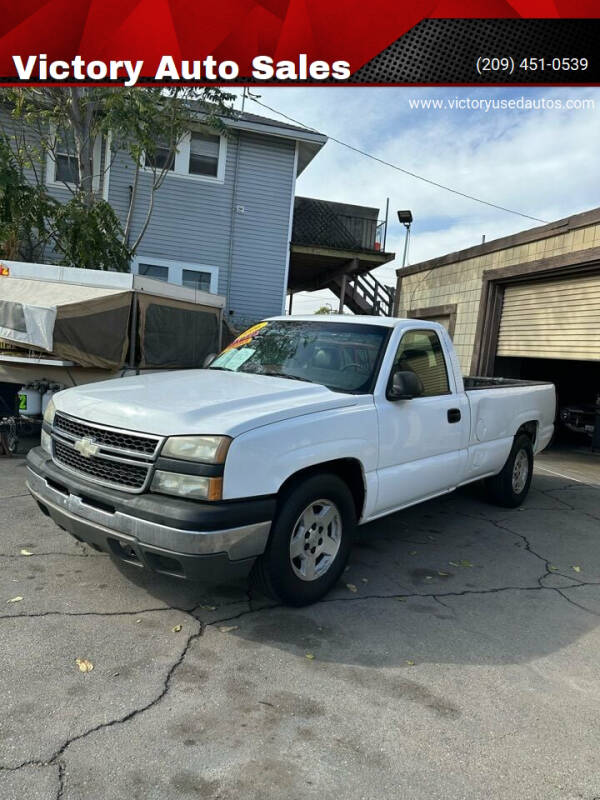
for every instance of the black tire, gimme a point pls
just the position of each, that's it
(276, 573)
(502, 488)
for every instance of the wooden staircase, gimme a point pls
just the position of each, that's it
(364, 294)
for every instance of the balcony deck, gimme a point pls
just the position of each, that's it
(334, 244)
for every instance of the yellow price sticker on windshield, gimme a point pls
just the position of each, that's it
(246, 337)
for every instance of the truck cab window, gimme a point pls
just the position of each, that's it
(421, 352)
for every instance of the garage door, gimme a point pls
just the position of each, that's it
(552, 319)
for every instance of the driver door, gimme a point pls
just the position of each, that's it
(422, 441)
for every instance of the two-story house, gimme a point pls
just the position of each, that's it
(226, 219)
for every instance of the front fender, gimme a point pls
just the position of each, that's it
(261, 460)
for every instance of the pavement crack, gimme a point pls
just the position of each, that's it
(38, 614)
(437, 595)
(573, 602)
(61, 779)
(56, 757)
(547, 493)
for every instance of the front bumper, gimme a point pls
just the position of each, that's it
(199, 541)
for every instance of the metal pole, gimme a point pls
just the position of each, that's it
(290, 303)
(133, 330)
(342, 294)
(387, 210)
(406, 244)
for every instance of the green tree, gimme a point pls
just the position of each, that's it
(49, 121)
(26, 211)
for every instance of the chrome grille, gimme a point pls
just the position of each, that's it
(107, 437)
(110, 472)
(109, 456)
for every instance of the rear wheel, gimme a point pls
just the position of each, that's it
(310, 541)
(509, 487)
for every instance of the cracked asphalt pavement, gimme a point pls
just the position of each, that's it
(459, 657)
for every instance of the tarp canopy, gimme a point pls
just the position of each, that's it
(175, 334)
(84, 324)
(91, 326)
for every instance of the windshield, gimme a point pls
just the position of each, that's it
(342, 356)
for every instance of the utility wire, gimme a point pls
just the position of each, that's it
(399, 169)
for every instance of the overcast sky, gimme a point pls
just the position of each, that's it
(542, 162)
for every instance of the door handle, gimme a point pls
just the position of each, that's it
(454, 415)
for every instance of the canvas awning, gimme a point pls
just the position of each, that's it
(85, 324)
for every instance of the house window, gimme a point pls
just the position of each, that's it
(194, 279)
(154, 271)
(202, 277)
(66, 164)
(204, 154)
(162, 158)
(62, 166)
(199, 154)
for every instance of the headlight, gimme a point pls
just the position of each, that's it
(194, 487)
(208, 449)
(46, 442)
(49, 413)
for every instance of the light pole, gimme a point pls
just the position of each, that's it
(406, 218)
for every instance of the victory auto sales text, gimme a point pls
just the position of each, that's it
(37, 68)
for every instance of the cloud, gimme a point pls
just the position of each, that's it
(542, 162)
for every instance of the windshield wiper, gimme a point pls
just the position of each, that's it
(290, 377)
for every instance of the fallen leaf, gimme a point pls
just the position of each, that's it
(138, 620)
(576, 568)
(428, 577)
(462, 563)
(347, 569)
(228, 628)
(16, 599)
(365, 580)
(84, 664)
(443, 574)
(412, 553)
(351, 587)
(310, 656)
(176, 628)
(410, 663)
(25, 552)
(209, 608)
(552, 567)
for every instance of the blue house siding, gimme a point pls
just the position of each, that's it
(265, 187)
(202, 222)
(239, 227)
(191, 219)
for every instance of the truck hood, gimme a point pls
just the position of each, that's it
(197, 402)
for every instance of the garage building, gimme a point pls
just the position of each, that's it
(522, 306)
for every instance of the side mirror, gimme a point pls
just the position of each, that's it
(404, 386)
(208, 360)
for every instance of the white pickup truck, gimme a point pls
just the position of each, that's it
(267, 460)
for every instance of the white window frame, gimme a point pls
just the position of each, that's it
(181, 167)
(52, 180)
(175, 269)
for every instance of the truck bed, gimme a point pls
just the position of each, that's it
(475, 382)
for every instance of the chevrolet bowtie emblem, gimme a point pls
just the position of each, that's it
(87, 447)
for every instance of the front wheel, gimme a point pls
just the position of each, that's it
(310, 541)
(509, 487)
